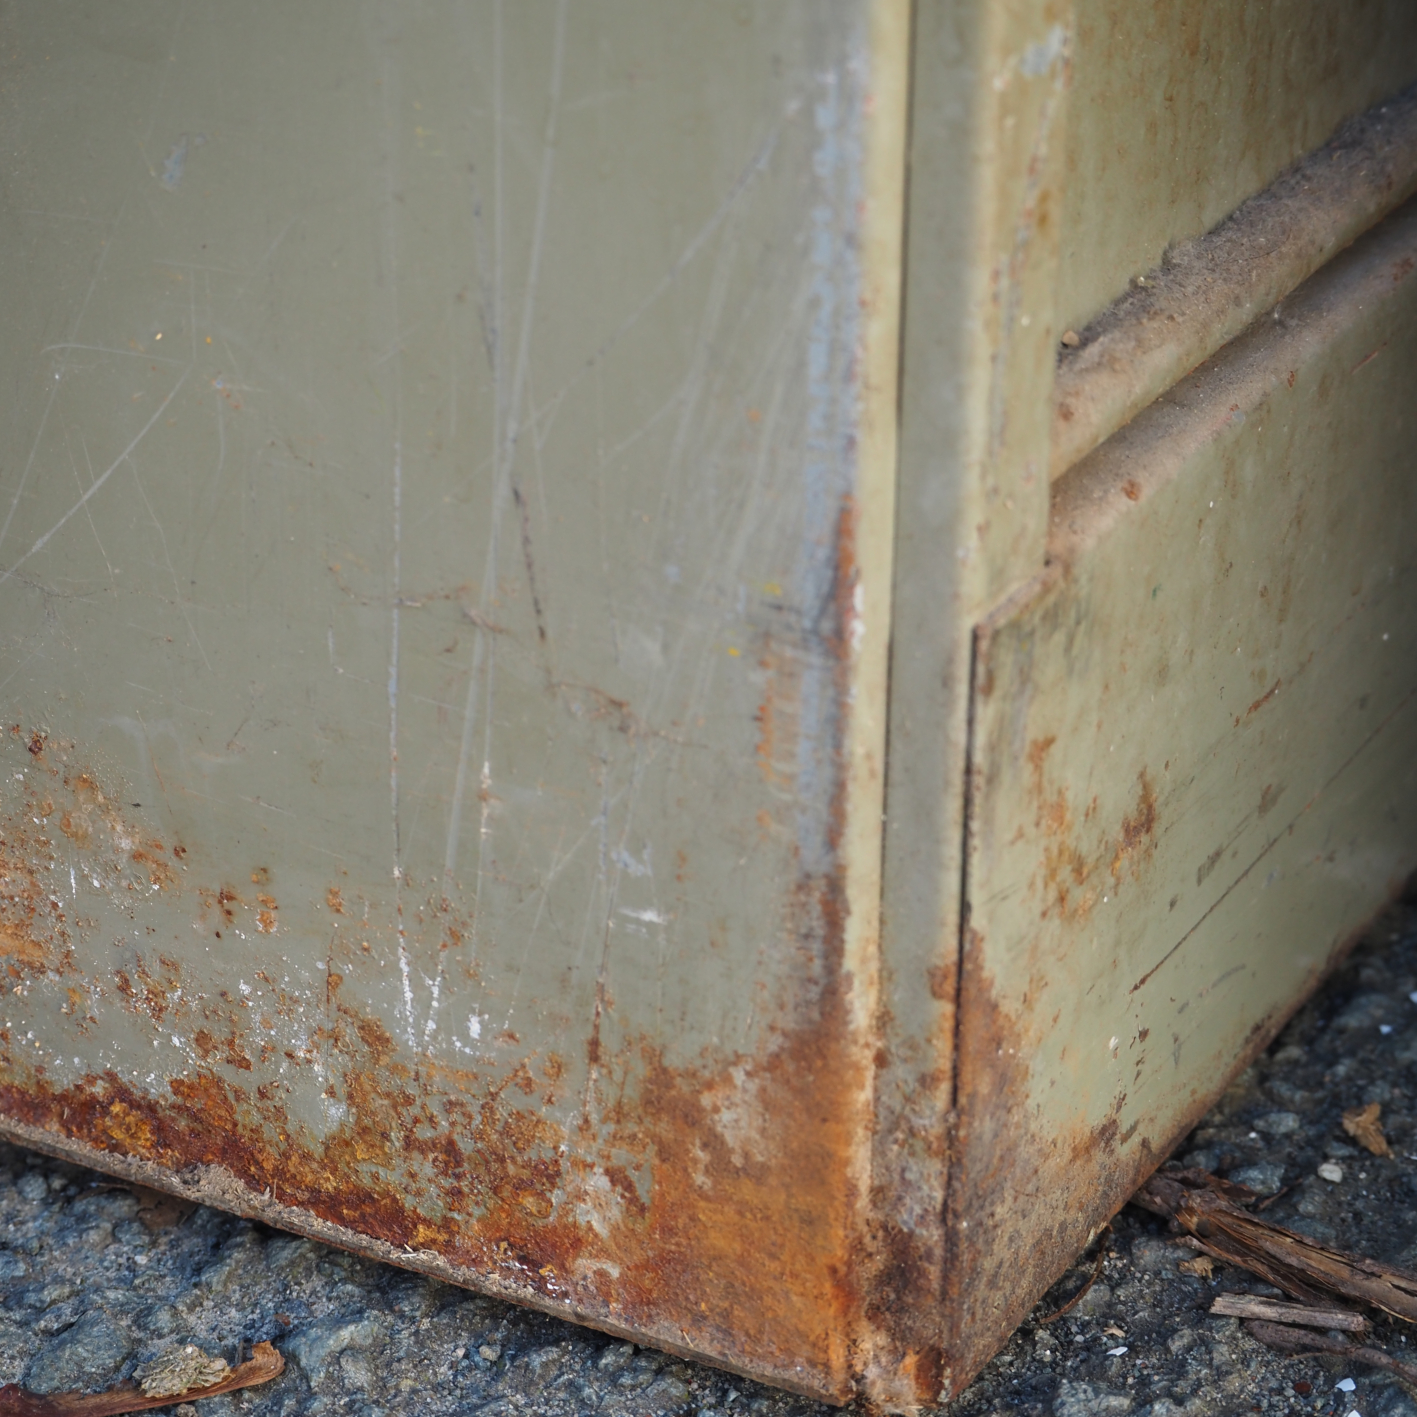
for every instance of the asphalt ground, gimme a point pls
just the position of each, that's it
(96, 1281)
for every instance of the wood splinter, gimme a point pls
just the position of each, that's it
(1209, 1211)
(1250, 1306)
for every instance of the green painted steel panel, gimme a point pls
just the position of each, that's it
(437, 523)
(1195, 760)
(1180, 111)
(482, 485)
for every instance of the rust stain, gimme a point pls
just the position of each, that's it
(1067, 873)
(1264, 698)
(725, 1179)
(1368, 358)
(658, 1199)
(35, 934)
(655, 1195)
(1209, 864)
(1136, 841)
(17, 943)
(1025, 1195)
(776, 714)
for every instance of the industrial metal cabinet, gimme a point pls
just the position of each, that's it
(706, 666)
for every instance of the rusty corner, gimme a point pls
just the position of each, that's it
(466, 1174)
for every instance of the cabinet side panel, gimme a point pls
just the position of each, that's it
(1194, 760)
(434, 560)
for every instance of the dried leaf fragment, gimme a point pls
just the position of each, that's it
(1202, 1266)
(1361, 1123)
(264, 1364)
(181, 1370)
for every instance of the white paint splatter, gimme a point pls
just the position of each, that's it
(650, 917)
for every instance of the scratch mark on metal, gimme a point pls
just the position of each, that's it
(392, 685)
(171, 569)
(507, 414)
(87, 513)
(104, 349)
(103, 477)
(1278, 836)
(54, 387)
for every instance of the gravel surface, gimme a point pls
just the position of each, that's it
(96, 1281)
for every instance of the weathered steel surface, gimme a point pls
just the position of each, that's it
(445, 515)
(452, 531)
(1209, 289)
(1180, 111)
(989, 109)
(1193, 767)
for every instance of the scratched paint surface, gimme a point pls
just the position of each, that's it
(428, 598)
(1194, 765)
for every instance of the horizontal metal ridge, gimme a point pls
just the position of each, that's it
(1207, 290)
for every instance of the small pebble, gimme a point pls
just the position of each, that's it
(489, 1353)
(32, 1186)
(1330, 1171)
(1265, 1179)
(1345, 1385)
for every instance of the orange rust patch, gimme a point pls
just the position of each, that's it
(128, 1128)
(34, 927)
(227, 1050)
(1037, 756)
(1067, 870)
(651, 1198)
(729, 1179)
(1023, 1197)
(157, 870)
(777, 714)
(18, 944)
(941, 982)
(1137, 839)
